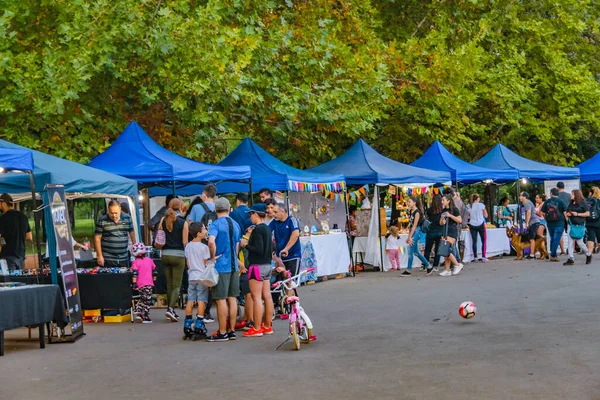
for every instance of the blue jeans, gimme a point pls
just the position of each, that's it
(556, 233)
(414, 250)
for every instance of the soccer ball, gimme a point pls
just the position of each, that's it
(467, 309)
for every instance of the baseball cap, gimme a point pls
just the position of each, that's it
(259, 208)
(222, 204)
(6, 198)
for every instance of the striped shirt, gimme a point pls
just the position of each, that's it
(115, 237)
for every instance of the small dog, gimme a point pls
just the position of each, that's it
(521, 242)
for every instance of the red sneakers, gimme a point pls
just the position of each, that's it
(253, 332)
(240, 325)
(266, 331)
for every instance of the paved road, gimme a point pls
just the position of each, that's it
(379, 337)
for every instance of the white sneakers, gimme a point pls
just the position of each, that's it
(446, 273)
(456, 271)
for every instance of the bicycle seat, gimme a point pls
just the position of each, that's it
(292, 299)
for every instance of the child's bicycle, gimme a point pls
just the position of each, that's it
(301, 328)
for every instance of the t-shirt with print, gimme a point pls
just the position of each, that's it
(412, 216)
(282, 230)
(452, 225)
(196, 253)
(476, 214)
(579, 209)
(219, 229)
(528, 206)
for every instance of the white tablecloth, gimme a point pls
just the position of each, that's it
(360, 246)
(496, 239)
(331, 252)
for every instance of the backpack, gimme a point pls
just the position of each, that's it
(594, 209)
(208, 218)
(552, 212)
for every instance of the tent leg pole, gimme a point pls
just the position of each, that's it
(379, 225)
(173, 189)
(250, 192)
(519, 219)
(37, 223)
(353, 267)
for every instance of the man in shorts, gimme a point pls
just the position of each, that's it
(259, 272)
(286, 231)
(532, 221)
(223, 242)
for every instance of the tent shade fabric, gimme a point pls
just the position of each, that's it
(136, 156)
(269, 172)
(16, 159)
(362, 165)
(75, 177)
(437, 157)
(590, 169)
(501, 157)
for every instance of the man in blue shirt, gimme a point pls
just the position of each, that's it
(208, 197)
(240, 214)
(286, 230)
(223, 244)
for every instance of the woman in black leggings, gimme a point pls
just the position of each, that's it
(434, 235)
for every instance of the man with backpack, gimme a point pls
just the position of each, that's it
(593, 221)
(223, 243)
(554, 210)
(205, 212)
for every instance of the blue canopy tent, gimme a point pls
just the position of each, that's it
(590, 169)
(76, 178)
(136, 156)
(267, 172)
(437, 157)
(361, 165)
(500, 157)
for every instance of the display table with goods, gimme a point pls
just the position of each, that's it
(360, 247)
(331, 253)
(34, 305)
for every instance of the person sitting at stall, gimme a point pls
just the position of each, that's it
(505, 218)
(111, 240)
(14, 228)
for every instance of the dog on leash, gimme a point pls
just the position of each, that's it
(521, 242)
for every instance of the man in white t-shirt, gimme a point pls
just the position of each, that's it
(477, 215)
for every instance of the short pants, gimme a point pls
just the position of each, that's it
(533, 228)
(244, 285)
(197, 292)
(260, 272)
(228, 286)
(593, 233)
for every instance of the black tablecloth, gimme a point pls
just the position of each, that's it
(31, 305)
(105, 291)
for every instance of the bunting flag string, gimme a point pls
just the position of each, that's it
(295, 186)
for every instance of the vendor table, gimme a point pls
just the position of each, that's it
(107, 291)
(30, 306)
(360, 246)
(331, 253)
(496, 240)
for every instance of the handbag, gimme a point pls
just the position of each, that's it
(576, 231)
(445, 247)
(426, 225)
(161, 237)
(209, 277)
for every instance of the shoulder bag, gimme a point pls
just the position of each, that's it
(445, 247)
(576, 231)
(161, 237)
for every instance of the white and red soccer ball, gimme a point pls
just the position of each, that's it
(467, 309)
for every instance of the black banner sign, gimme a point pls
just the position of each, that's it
(64, 250)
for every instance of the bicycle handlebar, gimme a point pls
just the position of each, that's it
(277, 284)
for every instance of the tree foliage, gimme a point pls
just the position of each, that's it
(305, 79)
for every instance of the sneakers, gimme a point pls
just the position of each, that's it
(570, 261)
(138, 318)
(457, 269)
(588, 259)
(406, 273)
(208, 318)
(436, 269)
(530, 257)
(474, 260)
(171, 315)
(265, 330)
(248, 326)
(445, 273)
(484, 260)
(240, 325)
(232, 335)
(218, 337)
(146, 320)
(252, 332)
(554, 259)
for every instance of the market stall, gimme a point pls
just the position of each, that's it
(590, 169)
(331, 252)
